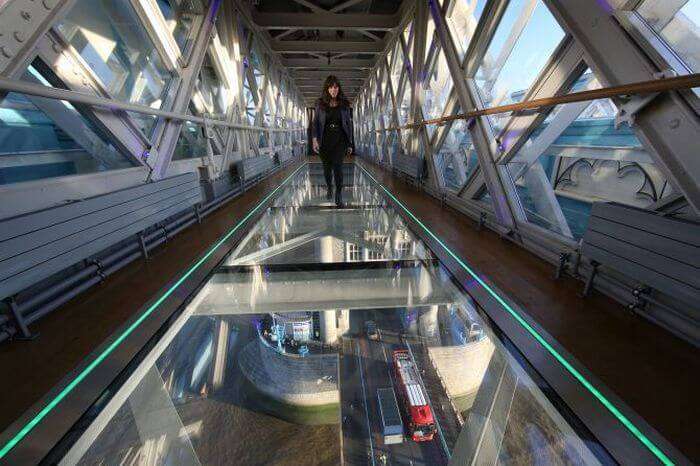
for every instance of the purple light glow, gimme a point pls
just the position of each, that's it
(606, 6)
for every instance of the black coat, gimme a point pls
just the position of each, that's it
(319, 122)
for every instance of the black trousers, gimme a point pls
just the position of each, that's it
(333, 170)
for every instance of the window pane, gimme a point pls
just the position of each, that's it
(678, 23)
(436, 88)
(525, 39)
(462, 23)
(249, 103)
(404, 111)
(457, 157)
(46, 138)
(191, 143)
(397, 67)
(110, 38)
(559, 172)
(216, 96)
(179, 19)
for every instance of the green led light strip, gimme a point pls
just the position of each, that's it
(572, 370)
(102, 356)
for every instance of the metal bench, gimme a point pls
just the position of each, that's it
(409, 167)
(35, 246)
(253, 169)
(658, 252)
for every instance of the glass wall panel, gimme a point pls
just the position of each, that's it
(408, 40)
(577, 157)
(216, 96)
(397, 67)
(678, 23)
(250, 103)
(404, 111)
(191, 143)
(462, 21)
(525, 39)
(437, 86)
(179, 19)
(46, 138)
(111, 39)
(457, 157)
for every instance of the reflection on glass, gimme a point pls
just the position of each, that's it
(397, 67)
(216, 96)
(290, 340)
(46, 138)
(525, 39)
(179, 20)
(404, 111)
(191, 143)
(462, 21)
(577, 157)
(111, 39)
(457, 158)
(678, 23)
(437, 86)
(249, 103)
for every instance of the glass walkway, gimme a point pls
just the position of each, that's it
(279, 356)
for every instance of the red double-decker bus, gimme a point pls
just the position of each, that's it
(421, 424)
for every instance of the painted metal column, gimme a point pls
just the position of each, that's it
(24, 24)
(667, 127)
(485, 148)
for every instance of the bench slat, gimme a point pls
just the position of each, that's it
(52, 233)
(677, 229)
(23, 224)
(77, 243)
(658, 244)
(632, 269)
(681, 272)
(29, 277)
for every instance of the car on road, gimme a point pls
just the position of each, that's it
(371, 330)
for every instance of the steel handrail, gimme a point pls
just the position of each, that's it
(645, 87)
(39, 90)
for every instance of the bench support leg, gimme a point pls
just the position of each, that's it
(142, 243)
(563, 260)
(18, 319)
(482, 221)
(589, 281)
(197, 213)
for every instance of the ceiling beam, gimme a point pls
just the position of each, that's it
(325, 21)
(310, 6)
(315, 46)
(345, 82)
(345, 5)
(340, 64)
(342, 74)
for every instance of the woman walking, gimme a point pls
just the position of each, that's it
(332, 135)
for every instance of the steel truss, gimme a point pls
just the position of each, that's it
(619, 49)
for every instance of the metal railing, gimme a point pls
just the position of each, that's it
(641, 88)
(39, 90)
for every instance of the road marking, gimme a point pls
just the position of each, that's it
(437, 422)
(364, 392)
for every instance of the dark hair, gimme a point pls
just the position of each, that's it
(325, 99)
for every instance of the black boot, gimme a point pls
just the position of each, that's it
(339, 199)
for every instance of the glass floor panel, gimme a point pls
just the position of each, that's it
(317, 327)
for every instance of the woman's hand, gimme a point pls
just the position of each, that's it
(314, 145)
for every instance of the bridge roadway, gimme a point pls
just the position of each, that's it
(365, 367)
